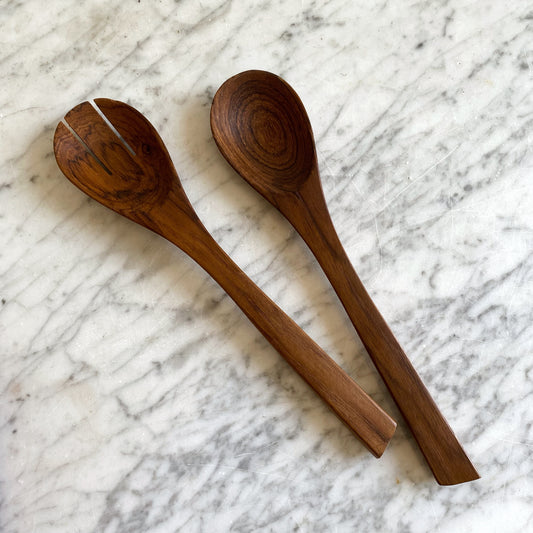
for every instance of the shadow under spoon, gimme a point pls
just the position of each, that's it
(132, 174)
(261, 127)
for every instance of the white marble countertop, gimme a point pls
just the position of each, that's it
(136, 397)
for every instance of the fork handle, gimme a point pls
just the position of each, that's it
(350, 403)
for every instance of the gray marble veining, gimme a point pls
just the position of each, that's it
(135, 397)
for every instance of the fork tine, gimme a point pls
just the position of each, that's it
(79, 160)
(122, 116)
(96, 134)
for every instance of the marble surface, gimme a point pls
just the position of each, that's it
(136, 397)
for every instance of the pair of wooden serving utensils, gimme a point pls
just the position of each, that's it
(112, 153)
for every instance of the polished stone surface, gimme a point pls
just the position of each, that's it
(136, 397)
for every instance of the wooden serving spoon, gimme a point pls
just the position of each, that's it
(134, 176)
(261, 127)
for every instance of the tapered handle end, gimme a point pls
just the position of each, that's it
(454, 469)
(356, 409)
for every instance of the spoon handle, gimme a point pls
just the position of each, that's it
(351, 404)
(443, 452)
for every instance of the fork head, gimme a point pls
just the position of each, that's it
(112, 153)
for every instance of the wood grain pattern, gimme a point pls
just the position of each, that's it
(261, 127)
(144, 187)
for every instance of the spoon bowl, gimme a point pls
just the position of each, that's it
(271, 140)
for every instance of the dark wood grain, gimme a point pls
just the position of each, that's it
(261, 127)
(145, 188)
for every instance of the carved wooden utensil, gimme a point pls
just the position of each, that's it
(261, 127)
(134, 176)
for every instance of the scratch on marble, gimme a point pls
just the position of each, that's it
(418, 178)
